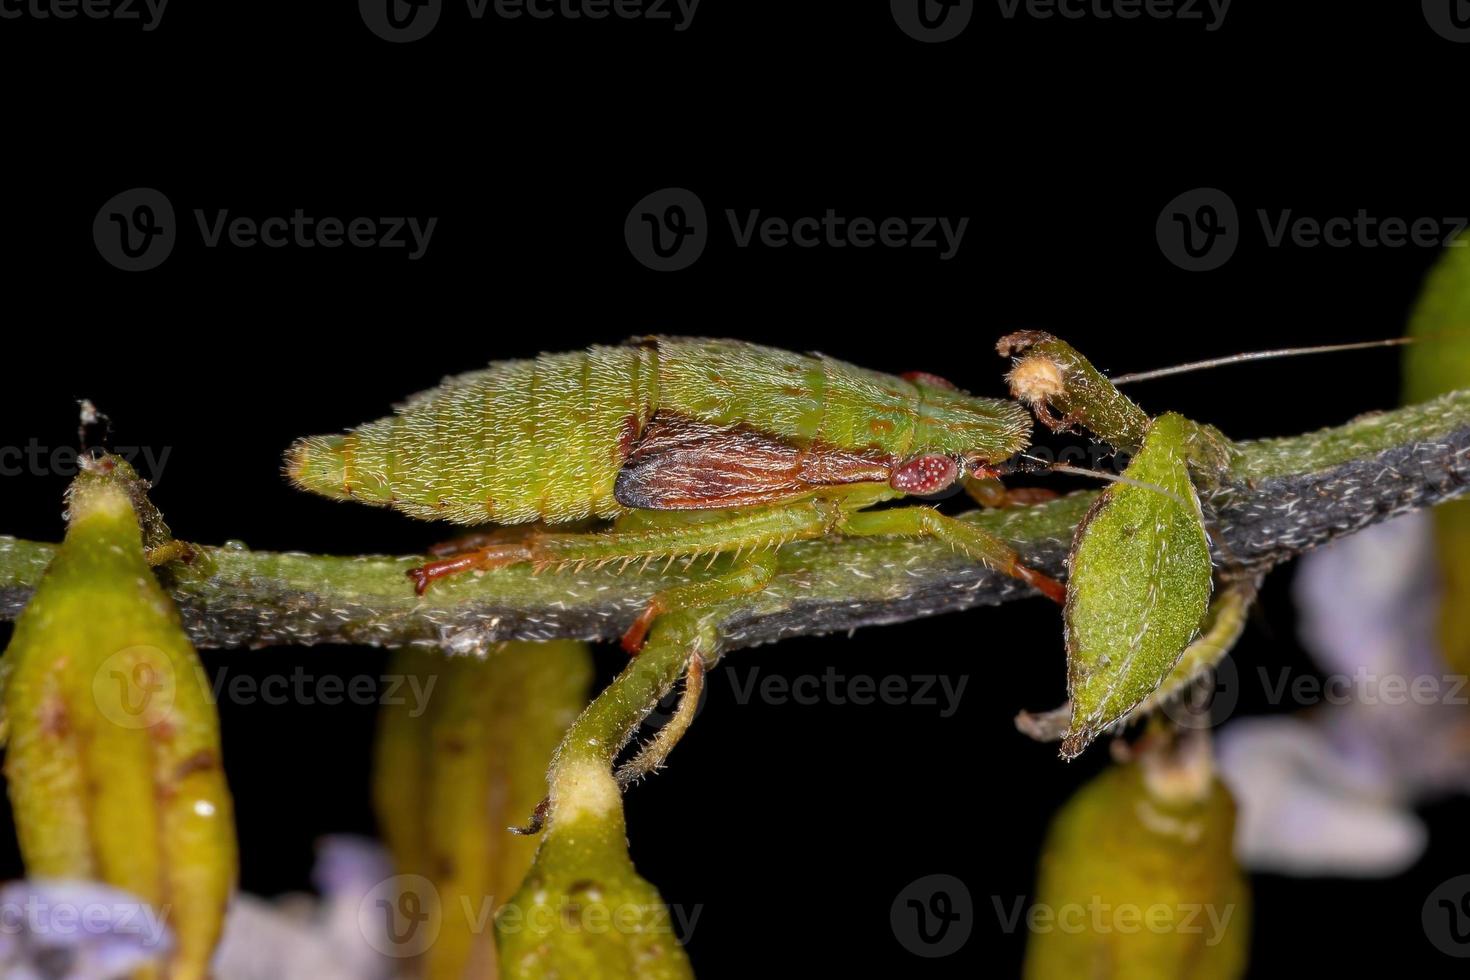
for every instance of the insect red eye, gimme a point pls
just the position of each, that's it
(925, 474)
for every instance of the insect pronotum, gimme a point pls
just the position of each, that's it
(689, 447)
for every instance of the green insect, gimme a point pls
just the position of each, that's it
(689, 447)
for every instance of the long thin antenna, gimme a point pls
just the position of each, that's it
(1110, 477)
(1260, 355)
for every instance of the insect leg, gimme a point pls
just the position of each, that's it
(478, 559)
(654, 536)
(993, 493)
(169, 551)
(475, 541)
(479, 540)
(750, 575)
(974, 541)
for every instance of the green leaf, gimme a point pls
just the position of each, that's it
(1139, 583)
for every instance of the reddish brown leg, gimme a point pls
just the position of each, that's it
(992, 493)
(478, 540)
(1040, 581)
(465, 543)
(637, 634)
(479, 559)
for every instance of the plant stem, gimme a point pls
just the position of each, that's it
(1284, 497)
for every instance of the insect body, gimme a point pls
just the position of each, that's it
(689, 446)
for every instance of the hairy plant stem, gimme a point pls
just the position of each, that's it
(1283, 497)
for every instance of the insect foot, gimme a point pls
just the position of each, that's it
(497, 555)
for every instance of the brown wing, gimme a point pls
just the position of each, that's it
(682, 464)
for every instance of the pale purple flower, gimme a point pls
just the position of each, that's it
(1331, 791)
(304, 938)
(56, 929)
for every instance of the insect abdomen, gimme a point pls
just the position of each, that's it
(538, 439)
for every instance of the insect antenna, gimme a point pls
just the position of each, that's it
(1100, 475)
(1260, 355)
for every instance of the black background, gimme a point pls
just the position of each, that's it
(792, 826)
